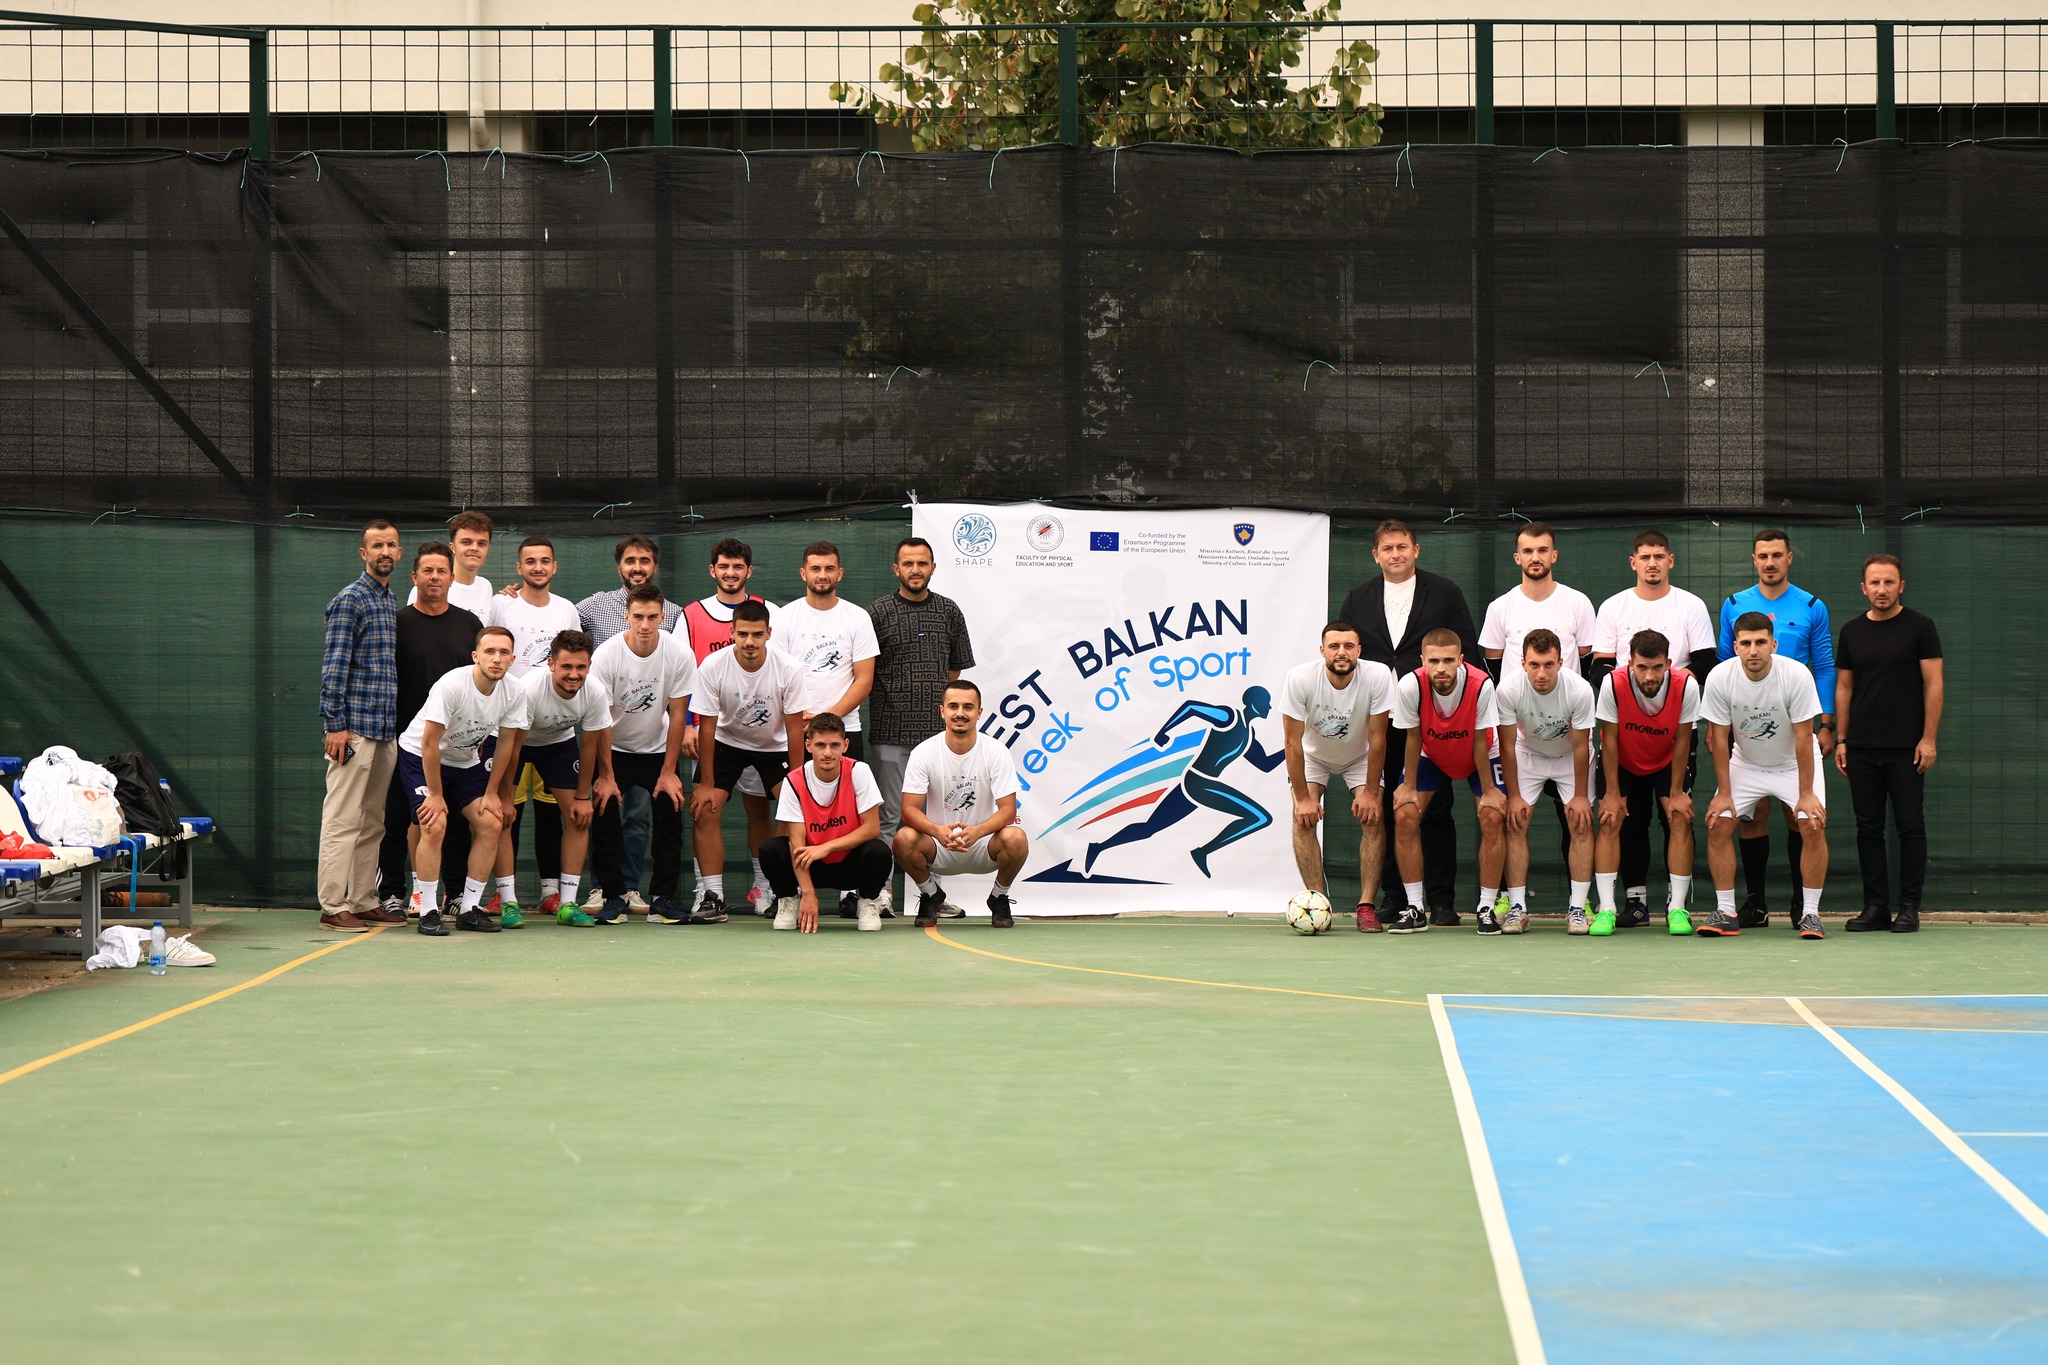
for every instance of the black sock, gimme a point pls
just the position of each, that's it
(1756, 862)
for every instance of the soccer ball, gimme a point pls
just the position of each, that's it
(1308, 912)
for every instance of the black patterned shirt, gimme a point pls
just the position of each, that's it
(922, 643)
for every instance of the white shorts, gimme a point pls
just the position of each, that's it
(1756, 785)
(1320, 773)
(1533, 770)
(750, 784)
(972, 861)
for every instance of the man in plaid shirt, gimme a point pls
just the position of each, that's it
(359, 713)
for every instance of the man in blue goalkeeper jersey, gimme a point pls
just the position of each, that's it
(1800, 622)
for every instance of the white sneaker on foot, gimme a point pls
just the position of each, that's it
(635, 903)
(870, 915)
(785, 912)
(1575, 920)
(594, 902)
(181, 952)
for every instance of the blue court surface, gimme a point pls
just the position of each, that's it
(1695, 1179)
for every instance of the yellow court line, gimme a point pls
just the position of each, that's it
(154, 1020)
(933, 933)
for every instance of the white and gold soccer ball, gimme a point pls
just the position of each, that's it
(1308, 912)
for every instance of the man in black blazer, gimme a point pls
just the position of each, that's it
(1393, 612)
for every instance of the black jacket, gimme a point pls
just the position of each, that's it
(1438, 602)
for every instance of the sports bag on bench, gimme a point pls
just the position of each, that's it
(144, 802)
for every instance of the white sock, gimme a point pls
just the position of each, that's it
(1681, 887)
(570, 886)
(1605, 881)
(551, 886)
(1579, 890)
(760, 877)
(428, 894)
(1518, 896)
(1004, 886)
(716, 885)
(472, 893)
(928, 887)
(697, 871)
(1812, 899)
(1414, 890)
(1639, 893)
(1724, 901)
(1487, 896)
(508, 889)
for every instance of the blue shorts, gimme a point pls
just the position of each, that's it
(1430, 778)
(560, 765)
(459, 786)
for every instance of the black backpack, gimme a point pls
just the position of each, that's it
(145, 805)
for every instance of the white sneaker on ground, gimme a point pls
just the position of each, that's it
(870, 916)
(594, 902)
(635, 903)
(1516, 921)
(951, 911)
(785, 912)
(393, 905)
(181, 952)
(886, 903)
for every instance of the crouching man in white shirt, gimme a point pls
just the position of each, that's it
(960, 810)
(831, 812)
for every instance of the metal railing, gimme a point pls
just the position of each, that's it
(73, 82)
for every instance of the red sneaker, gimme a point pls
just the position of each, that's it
(1369, 920)
(550, 904)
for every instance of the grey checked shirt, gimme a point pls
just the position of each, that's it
(604, 614)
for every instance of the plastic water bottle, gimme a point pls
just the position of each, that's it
(156, 949)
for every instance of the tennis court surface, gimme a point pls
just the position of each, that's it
(1138, 1139)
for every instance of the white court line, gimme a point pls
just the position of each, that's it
(1493, 1213)
(1991, 1175)
(1456, 996)
(2045, 1135)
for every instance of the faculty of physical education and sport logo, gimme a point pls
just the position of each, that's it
(974, 535)
(1243, 531)
(1045, 533)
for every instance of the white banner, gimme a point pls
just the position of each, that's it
(1131, 662)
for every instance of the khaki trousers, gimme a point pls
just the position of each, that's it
(352, 824)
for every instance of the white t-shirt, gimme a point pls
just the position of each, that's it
(828, 644)
(1407, 713)
(466, 716)
(1678, 616)
(750, 707)
(474, 598)
(1760, 715)
(1336, 724)
(959, 789)
(1514, 614)
(866, 795)
(1544, 724)
(641, 689)
(533, 628)
(552, 717)
(1399, 599)
(1688, 705)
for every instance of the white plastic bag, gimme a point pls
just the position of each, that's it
(70, 800)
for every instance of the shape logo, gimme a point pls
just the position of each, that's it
(1243, 531)
(1045, 532)
(1104, 540)
(974, 535)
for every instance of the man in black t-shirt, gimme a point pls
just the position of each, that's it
(1888, 664)
(434, 636)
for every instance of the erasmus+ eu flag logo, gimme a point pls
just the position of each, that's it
(1177, 776)
(1104, 540)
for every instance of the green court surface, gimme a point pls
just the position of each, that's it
(728, 1143)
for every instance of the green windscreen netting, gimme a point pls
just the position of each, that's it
(200, 642)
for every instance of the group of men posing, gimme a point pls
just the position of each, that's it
(612, 717)
(1398, 711)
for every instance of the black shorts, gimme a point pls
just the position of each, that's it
(728, 761)
(1658, 783)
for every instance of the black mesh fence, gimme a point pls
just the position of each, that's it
(1820, 333)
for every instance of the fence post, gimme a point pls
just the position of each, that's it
(1482, 82)
(664, 89)
(1070, 86)
(1887, 83)
(259, 93)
